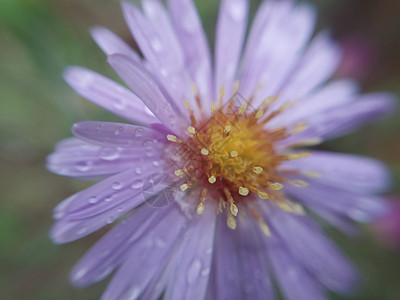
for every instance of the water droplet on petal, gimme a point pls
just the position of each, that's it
(205, 272)
(109, 153)
(156, 163)
(137, 184)
(138, 170)
(194, 271)
(116, 185)
(110, 220)
(81, 231)
(83, 166)
(118, 131)
(138, 132)
(108, 199)
(156, 44)
(119, 104)
(93, 200)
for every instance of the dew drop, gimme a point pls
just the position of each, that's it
(119, 104)
(109, 153)
(194, 271)
(110, 220)
(83, 166)
(138, 170)
(108, 199)
(139, 132)
(209, 251)
(116, 185)
(237, 11)
(137, 184)
(156, 45)
(93, 200)
(118, 131)
(160, 242)
(81, 231)
(156, 163)
(205, 272)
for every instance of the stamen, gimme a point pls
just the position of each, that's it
(221, 95)
(243, 191)
(312, 174)
(231, 222)
(263, 195)
(191, 130)
(242, 108)
(212, 179)
(204, 151)
(275, 186)
(200, 208)
(212, 107)
(263, 226)
(259, 114)
(298, 183)
(186, 103)
(179, 172)
(184, 187)
(234, 153)
(234, 210)
(227, 129)
(257, 170)
(298, 155)
(299, 127)
(236, 86)
(171, 138)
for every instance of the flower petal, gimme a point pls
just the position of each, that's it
(308, 245)
(360, 207)
(274, 47)
(110, 43)
(108, 94)
(294, 281)
(317, 65)
(347, 118)
(194, 43)
(115, 246)
(117, 134)
(148, 258)
(345, 171)
(87, 161)
(142, 84)
(159, 45)
(194, 262)
(231, 29)
(104, 202)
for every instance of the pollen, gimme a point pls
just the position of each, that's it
(234, 146)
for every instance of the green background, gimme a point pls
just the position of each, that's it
(39, 38)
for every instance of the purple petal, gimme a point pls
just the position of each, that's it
(318, 64)
(308, 245)
(117, 134)
(335, 94)
(87, 161)
(345, 171)
(115, 246)
(194, 43)
(194, 259)
(148, 258)
(231, 29)
(159, 45)
(108, 94)
(227, 276)
(347, 118)
(104, 202)
(294, 281)
(110, 43)
(362, 208)
(142, 84)
(272, 55)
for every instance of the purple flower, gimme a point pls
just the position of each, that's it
(213, 189)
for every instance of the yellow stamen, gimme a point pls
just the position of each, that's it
(259, 114)
(312, 174)
(298, 155)
(186, 103)
(191, 130)
(234, 210)
(171, 138)
(257, 170)
(212, 107)
(264, 228)
(184, 187)
(212, 179)
(236, 86)
(179, 172)
(242, 108)
(263, 195)
(298, 183)
(299, 127)
(243, 191)
(275, 186)
(204, 151)
(234, 153)
(227, 129)
(231, 222)
(200, 208)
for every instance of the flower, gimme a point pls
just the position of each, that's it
(213, 190)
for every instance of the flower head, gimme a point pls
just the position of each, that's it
(212, 191)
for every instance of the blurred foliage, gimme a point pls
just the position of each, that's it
(39, 38)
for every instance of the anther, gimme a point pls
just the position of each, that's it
(236, 86)
(233, 208)
(178, 172)
(200, 208)
(184, 187)
(204, 151)
(258, 170)
(191, 130)
(234, 153)
(275, 186)
(212, 179)
(171, 138)
(243, 191)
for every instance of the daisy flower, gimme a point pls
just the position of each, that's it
(212, 187)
